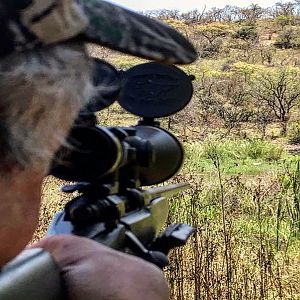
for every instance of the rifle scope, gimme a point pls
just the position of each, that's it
(145, 153)
(110, 164)
(153, 154)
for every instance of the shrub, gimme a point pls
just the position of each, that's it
(248, 33)
(258, 149)
(227, 149)
(288, 38)
(294, 133)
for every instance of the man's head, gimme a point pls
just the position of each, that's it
(34, 70)
(41, 93)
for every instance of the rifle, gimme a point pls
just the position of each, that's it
(110, 167)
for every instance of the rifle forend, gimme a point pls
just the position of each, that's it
(33, 275)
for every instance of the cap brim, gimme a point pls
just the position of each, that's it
(129, 32)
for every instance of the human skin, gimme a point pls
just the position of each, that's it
(19, 208)
(93, 271)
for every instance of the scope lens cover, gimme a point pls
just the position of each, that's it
(155, 90)
(108, 82)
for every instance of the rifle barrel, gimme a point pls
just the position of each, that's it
(167, 191)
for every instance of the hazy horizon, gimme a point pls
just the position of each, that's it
(143, 5)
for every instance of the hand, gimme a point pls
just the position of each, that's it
(94, 272)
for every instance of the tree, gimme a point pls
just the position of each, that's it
(214, 15)
(246, 33)
(251, 14)
(283, 21)
(286, 9)
(297, 7)
(233, 103)
(245, 39)
(179, 25)
(262, 116)
(194, 16)
(212, 34)
(230, 13)
(279, 89)
(163, 14)
(288, 38)
(224, 99)
(267, 54)
(213, 31)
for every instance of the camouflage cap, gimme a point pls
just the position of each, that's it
(27, 24)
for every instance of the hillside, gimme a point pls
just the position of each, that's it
(252, 57)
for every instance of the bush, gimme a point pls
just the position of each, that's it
(294, 133)
(209, 50)
(241, 149)
(288, 38)
(234, 157)
(247, 33)
(258, 149)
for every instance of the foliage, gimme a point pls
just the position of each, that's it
(231, 102)
(246, 33)
(283, 21)
(246, 69)
(212, 35)
(290, 186)
(294, 132)
(236, 156)
(278, 89)
(244, 202)
(245, 245)
(288, 38)
(178, 25)
(213, 31)
(251, 14)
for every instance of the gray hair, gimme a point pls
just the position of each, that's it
(41, 92)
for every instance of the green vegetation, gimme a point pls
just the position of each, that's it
(241, 134)
(248, 157)
(247, 224)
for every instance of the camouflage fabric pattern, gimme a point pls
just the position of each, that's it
(54, 21)
(130, 32)
(27, 24)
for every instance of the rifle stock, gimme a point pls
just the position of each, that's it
(33, 275)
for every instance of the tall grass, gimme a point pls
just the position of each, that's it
(236, 156)
(245, 245)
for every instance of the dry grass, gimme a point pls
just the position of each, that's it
(235, 257)
(246, 241)
(235, 252)
(52, 201)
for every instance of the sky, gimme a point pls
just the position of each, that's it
(185, 5)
